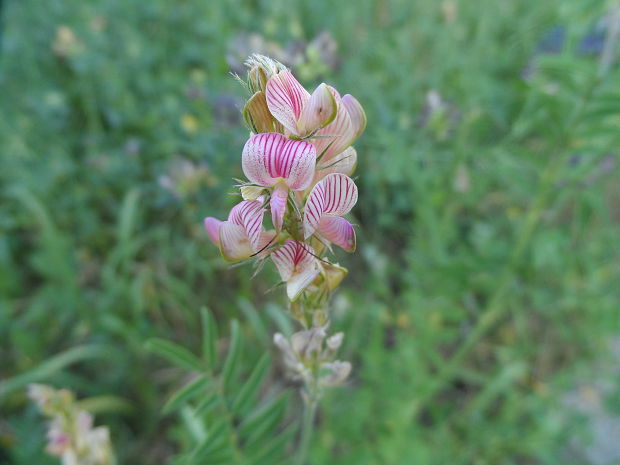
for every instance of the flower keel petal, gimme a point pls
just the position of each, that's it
(338, 231)
(278, 206)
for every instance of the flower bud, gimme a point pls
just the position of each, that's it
(261, 68)
(251, 192)
(337, 373)
(306, 343)
(257, 115)
(334, 342)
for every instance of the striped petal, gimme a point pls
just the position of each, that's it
(356, 113)
(334, 195)
(234, 242)
(286, 98)
(336, 136)
(249, 215)
(338, 231)
(212, 225)
(278, 206)
(296, 264)
(269, 156)
(320, 110)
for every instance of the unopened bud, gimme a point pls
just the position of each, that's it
(308, 342)
(334, 342)
(338, 372)
(257, 115)
(261, 68)
(251, 192)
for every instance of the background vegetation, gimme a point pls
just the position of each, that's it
(485, 285)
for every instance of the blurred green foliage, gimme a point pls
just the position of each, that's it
(488, 261)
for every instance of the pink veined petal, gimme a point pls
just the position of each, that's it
(320, 110)
(340, 194)
(338, 231)
(297, 266)
(336, 136)
(234, 242)
(212, 225)
(292, 257)
(270, 156)
(334, 195)
(286, 98)
(356, 113)
(249, 214)
(313, 211)
(278, 206)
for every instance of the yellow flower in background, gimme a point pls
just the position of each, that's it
(189, 123)
(66, 43)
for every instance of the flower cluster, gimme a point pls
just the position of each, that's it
(298, 162)
(70, 434)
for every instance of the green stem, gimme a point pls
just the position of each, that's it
(307, 427)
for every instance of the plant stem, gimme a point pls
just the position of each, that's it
(307, 427)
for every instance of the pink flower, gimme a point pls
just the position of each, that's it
(299, 112)
(297, 266)
(242, 235)
(333, 196)
(271, 160)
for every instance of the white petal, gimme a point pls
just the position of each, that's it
(234, 242)
(298, 282)
(356, 113)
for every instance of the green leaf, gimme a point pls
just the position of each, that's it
(212, 442)
(273, 449)
(127, 216)
(232, 359)
(209, 338)
(250, 388)
(105, 404)
(263, 419)
(54, 365)
(255, 320)
(174, 353)
(207, 404)
(223, 455)
(187, 393)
